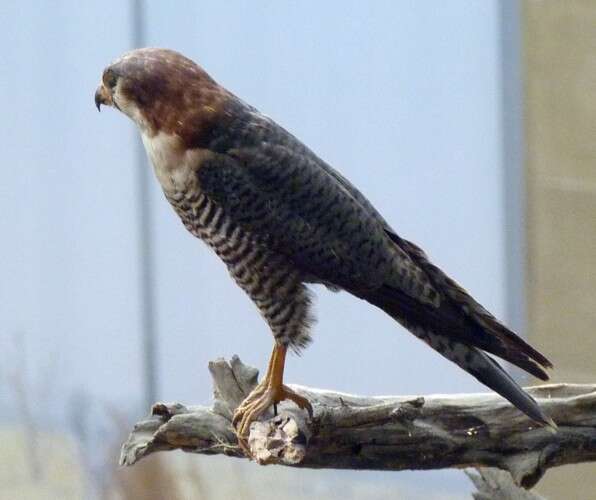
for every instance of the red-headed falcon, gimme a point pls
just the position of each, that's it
(280, 217)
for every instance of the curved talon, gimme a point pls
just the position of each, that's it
(256, 404)
(244, 405)
(299, 400)
(270, 391)
(253, 412)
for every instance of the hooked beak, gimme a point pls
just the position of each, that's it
(102, 96)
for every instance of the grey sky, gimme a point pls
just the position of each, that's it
(402, 96)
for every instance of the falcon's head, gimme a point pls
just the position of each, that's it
(161, 91)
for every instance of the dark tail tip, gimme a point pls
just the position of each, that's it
(493, 375)
(549, 423)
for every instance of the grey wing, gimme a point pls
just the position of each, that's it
(357, 196)
(492, 335)
(295, 205)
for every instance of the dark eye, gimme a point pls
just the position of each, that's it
(110, 79)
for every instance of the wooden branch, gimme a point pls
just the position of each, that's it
(496, 484)
(380, 433)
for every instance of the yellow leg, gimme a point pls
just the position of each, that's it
(256, 392)
(270, 391)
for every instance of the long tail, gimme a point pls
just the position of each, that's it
(487, 333)
(491, 374)
(444, 334)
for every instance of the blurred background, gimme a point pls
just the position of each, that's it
(469, 124)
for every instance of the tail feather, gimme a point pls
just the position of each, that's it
(490, 373)
(491, 335)
(519, 358)
(487, 371)
(449, 335)
(450, 322)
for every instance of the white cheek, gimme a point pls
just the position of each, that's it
(129, 109)
(133, 113)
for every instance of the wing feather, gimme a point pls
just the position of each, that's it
(490, 334)
(290, 199)
(285, 196)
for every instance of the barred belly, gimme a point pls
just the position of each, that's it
(268, 277)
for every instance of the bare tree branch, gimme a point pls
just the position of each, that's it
(495, 484)
(380, 433)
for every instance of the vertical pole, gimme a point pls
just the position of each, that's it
(511, 47)
(146, 260)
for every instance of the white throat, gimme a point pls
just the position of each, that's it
(173, 165)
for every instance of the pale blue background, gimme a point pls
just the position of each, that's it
(404, 97)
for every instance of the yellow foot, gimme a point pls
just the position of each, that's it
(257, 402)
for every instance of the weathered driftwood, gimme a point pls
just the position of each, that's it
(496, 484)
(380, 433)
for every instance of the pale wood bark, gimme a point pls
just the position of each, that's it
(380, 433)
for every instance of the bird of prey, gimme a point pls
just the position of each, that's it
(280, 218)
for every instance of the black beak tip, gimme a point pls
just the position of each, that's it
(98, 101)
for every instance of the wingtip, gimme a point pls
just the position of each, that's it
(540, 358)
